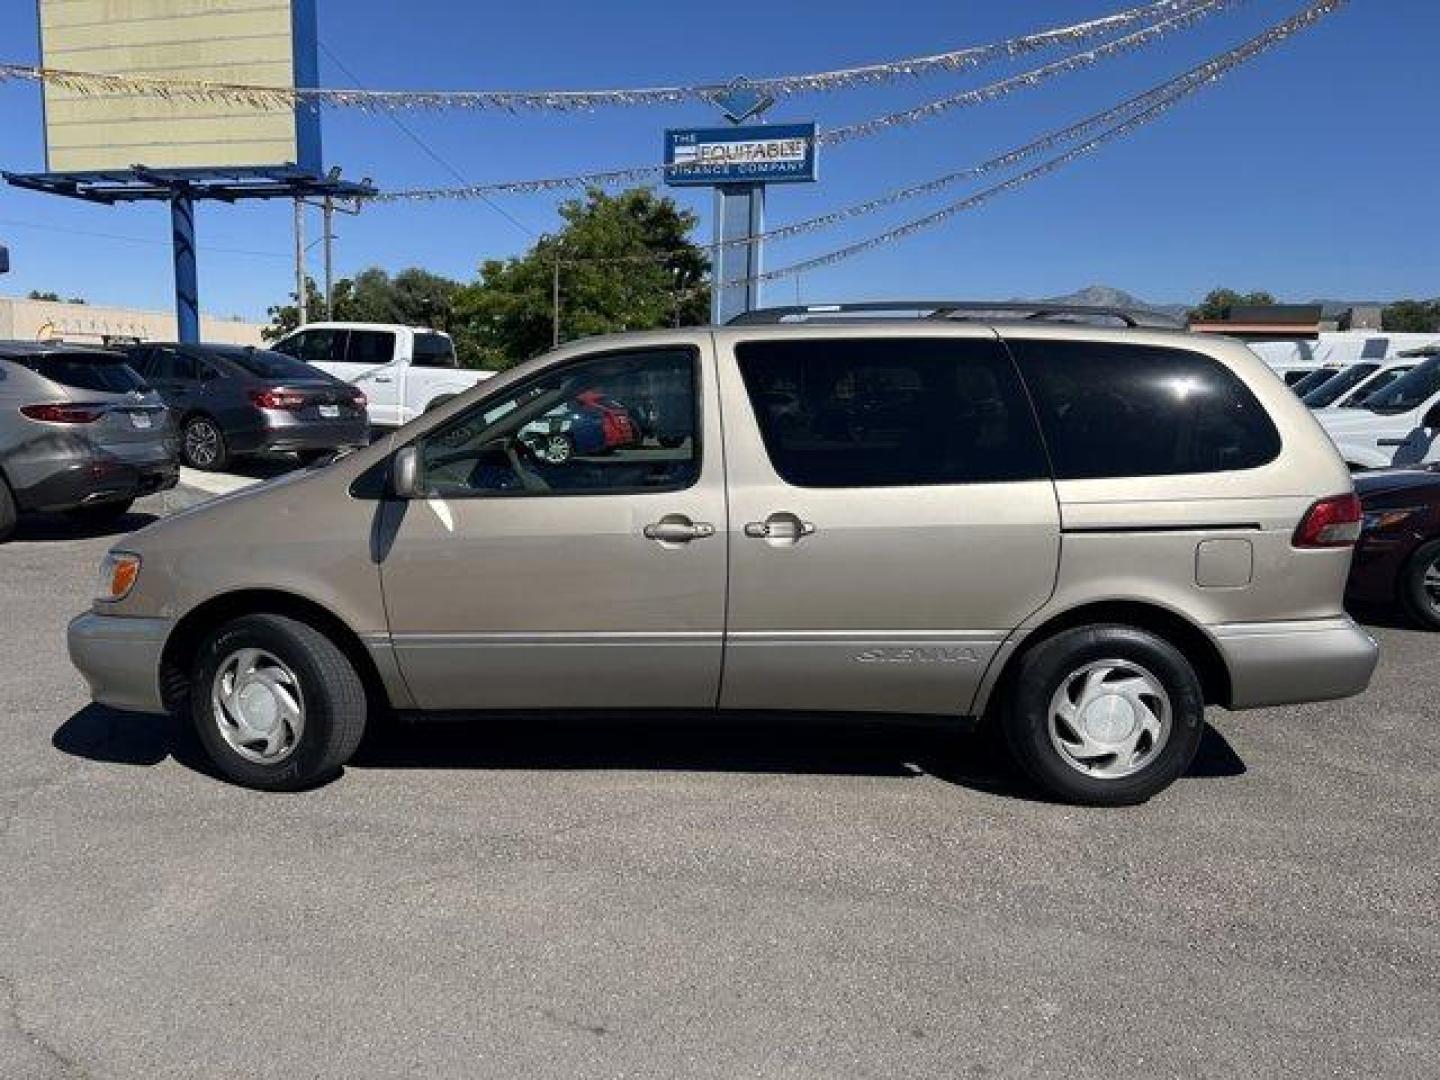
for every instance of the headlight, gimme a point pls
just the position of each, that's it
(1388, 519)
(118, 573)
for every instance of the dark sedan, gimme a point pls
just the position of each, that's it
(231, 400)
(1397, 561)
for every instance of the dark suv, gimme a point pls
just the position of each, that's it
(80, 432)
(230, 400)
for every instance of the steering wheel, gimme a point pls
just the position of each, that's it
(522, 463)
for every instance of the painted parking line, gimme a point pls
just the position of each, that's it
(215, 483)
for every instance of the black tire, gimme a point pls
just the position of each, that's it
(1413, 596)
(9, 512)
(333, 695)
(101, 513)
(313, 457)
(1049, 665)
(211, 461)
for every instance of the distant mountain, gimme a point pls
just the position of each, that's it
(1108, 296)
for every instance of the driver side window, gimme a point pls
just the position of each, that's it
(618, 423)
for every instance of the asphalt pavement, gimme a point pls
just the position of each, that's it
(560, 899)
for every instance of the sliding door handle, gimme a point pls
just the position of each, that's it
(678, 529)
(780, 529)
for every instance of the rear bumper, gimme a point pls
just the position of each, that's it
(1288, 663)
(285, 431)
(120, 659)
(96, 481)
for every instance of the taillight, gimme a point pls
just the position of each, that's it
(65, 413)
(1331, 523)
(278, 398)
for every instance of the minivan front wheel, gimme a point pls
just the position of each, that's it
(1106, 715)
(276, 704)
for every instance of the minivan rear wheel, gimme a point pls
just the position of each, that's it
(1105, 715)
(276, 704)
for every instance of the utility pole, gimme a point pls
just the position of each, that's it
(329, 256)
(300, 260)
(555, 302)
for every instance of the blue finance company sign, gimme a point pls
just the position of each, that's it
(760, 154)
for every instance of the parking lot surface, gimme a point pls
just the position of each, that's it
(705, 899)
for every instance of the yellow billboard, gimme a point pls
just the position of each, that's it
(261, 42)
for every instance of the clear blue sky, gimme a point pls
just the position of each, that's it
(1312, 172)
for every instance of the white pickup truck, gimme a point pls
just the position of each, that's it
(404, 370)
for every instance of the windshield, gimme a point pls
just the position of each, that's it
(1316, 379)
(1330, 392)
(103, 372)
(1410, 392)
(1361, 397)
(271, 365)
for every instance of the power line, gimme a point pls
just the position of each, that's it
(427, 149)
(137, 239)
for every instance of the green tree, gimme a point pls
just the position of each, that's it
(286, 317)
(1413, 316)
(1218, 302)
(36, 294)
(624, 262)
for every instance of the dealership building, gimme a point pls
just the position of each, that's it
(90, 324)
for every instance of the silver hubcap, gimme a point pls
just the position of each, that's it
(557, 449)
(1432, 584)
(258, 706)
(202, 442)
(1110, 719)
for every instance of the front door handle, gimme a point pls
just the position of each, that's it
(384, 378)
(780, 529)
(678, 529)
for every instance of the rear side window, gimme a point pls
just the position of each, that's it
(433, 350)
(1409, 392)
(314, 346)
(1348, 379)
(101, 372)
(374, 347)
(891, 412)
(1113, 410)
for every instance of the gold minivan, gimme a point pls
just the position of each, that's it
(1085, 533)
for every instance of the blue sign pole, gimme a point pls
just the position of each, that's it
(739, 216)
(187, 284)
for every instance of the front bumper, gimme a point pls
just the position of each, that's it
(1289, 663)
(120, 659)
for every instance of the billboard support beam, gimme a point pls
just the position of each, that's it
(187, 282)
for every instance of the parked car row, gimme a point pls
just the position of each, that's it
(86, 431)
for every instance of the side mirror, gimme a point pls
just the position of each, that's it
(405, 474)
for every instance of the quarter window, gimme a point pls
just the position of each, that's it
(623, 422)
(1112, 410)
(891, 412)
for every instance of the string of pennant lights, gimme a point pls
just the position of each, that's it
(977, 96)
(92, 83)
(1212, 73)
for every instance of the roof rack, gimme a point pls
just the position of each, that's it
(953, 309)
